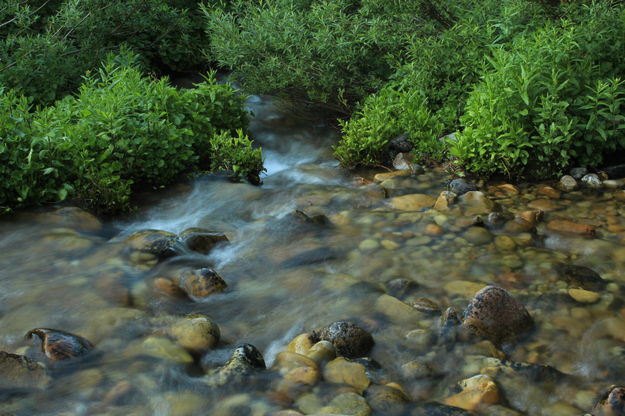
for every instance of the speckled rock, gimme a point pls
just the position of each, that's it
(612, 403)
(348, 339)
(201, 240)
(245, 360)
(342, 371)
(495, 315)
(201, 283)
(18, 373)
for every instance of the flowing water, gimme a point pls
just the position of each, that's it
(289, 274)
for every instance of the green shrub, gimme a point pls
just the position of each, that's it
(552, 100)
(39, 66)
(234, 152)
(384, 116)
(328, 53)
(32, 170)
(123, 131)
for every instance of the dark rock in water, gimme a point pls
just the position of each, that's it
(317, 255)
(495, 315)
(536, 373)
(18, 373)
(615, 172)
(450, 323)
(60, 345)
(400, 287)
(400, 144)
(435, 409)
(580, 276)
(245, 359)
(426, 305)
(157, 242)
(201, 240)
(461, 186)
(315, 219)
(349, 339)
(202, 283)
(612, 403)
(578, 173)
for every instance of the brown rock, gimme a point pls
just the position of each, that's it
(433, 229)
(445, 200)
(301, 344)
(549, 192)
(165, 286)
(567, 226)
(201, 240)
(202, 283)
(412, 202)
(495, 315)
(381, 177)
(476, 202)
(543, 205)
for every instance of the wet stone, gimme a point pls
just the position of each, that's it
(592, 180)
(478, 235)
(348, 339)
(202, 283)
(157, 242)
(18, 373)
(584, 296)
(495, 315)
(461, 186)
(568, 183)
(195, 333)
(578, 173)
(612, 403)
(580, 276)
(60, 345)
(426, 305)
(347, 404)
(201, 240)
(475, 203)
(342, 371)
(386, 400)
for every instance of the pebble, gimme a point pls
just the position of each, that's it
(572, 227)
(505, 243)
(412, 202)
(342, 371)
(478, 235)
(584, 296)
(463, 288)
(381, 177)
(475, 203)
(397, 311)
(368, 245)
(477, 392)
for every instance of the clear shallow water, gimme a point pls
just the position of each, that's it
(287, 277)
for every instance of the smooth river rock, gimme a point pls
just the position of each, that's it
(348, 339)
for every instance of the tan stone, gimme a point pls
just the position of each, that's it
(476, 202)
(505, 243)
(303, 375)
(532, 217)
(433, 229)
(508, 189)
(518, 225)
(567, 226)
(381, 177)
(544, 205)
(549, 192)
(445, 200)
(584, 296)
(321, 351)
(397, 311)
(300, 344)
(342, 371)
(412, 202)
(286, 361)
(478, 391)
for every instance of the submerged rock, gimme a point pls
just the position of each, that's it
(201, 240)
(461, 186)
(435, 409)
(348, 339)
(580, 276)
(612, 403)
(202, 283)
(60, 345)
(495, 315)
(245, 360)
(196, 333)
(18, 373)
(157, 242)
(477, 392)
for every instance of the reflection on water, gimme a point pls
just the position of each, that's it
(288, 274)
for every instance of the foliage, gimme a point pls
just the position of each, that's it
(553, 99)
(427, 95)
(31, 168)
(121, 131)
(39, 66)
(234, 152)
(384, 116)
(331, 53)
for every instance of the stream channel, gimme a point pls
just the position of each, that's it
(359, 253)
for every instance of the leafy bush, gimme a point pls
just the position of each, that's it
(121, 131)
(427, 95)
(552, 100)
(32, 170)
(384, 116)
(328, 53)
(39, 66)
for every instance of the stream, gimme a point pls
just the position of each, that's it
(313, 245)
